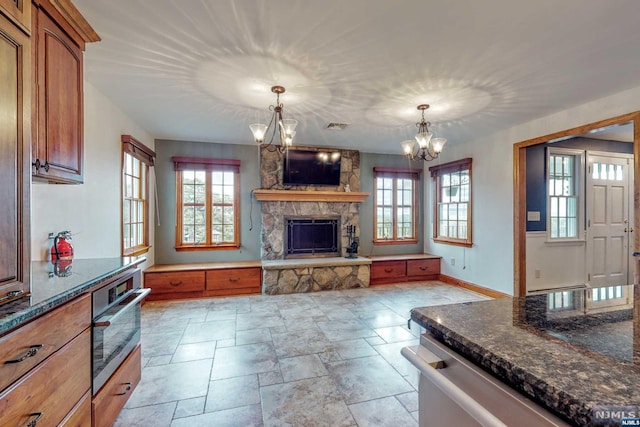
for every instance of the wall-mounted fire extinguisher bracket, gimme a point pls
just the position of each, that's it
(61, 249)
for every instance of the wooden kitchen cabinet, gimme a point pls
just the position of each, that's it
(59, 37)
(404, 268)
(19, 11)
(110, 400)
(51, 390)
(41, 338)
(15, 135)
(45, 368)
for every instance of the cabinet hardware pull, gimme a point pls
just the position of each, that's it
(388, 270)
(11, 295)
(126, 390)
(32, 352)
(34, 421)
(176, 283)
(233, 280)
(39, 165)
(424, 268)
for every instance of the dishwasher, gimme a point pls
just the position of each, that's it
(454, 391)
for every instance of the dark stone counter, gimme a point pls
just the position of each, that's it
(52, 286)
(580, 360)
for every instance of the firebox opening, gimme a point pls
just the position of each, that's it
(312, 237)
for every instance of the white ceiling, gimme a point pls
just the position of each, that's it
(201, 70)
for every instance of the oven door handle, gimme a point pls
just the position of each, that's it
(107, 320)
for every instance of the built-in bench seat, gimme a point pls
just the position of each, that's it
(177, 281)
(387, 269)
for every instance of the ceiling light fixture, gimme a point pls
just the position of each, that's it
(285, 128)
(427, 147)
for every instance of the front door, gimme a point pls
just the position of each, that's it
(609, 219)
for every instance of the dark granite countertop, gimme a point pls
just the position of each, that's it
(52, 286)
(579, 361)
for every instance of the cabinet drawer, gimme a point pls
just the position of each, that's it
(52, 389)
(179, 281)
(110, 400)
(423, 267)
(34, 342)
(388, 269)
(234, 278)
(80, 416)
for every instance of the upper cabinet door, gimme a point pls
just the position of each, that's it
(19, 11)
(15, 113)
(58, 132)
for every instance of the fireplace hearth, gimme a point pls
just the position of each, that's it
(312, 237)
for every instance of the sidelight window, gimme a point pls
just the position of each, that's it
(208, 215)
(564, 183)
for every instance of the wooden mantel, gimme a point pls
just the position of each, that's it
(309, 196)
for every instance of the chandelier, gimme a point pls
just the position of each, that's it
(427, 147)
(285, 128)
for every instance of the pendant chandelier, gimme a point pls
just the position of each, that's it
(425, 147)
(285, 128)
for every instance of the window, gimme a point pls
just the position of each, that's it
(607, 293)
(560, 301)
(563, 204)
(208, 212)
(396, 205)
(136, 159)
(452, 210)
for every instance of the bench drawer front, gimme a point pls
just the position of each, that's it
(423, 267)
(24, 348)
(388, 269)
(171, 282)
(234, 278)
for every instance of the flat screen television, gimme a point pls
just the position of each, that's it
(306, 167)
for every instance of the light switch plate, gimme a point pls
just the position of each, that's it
(533, 216)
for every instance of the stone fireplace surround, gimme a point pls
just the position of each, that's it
(308, 274)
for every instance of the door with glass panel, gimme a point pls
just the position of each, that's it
(609, 219)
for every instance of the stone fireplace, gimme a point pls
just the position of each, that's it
(312, 258)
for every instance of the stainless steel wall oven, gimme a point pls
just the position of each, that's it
(116, 324)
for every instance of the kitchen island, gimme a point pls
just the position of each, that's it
(70, 347)
(574, 353)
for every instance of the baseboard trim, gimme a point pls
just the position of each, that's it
(472, 287)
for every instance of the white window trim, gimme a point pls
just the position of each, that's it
(580, 166)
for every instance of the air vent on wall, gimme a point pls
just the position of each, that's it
(337, 126)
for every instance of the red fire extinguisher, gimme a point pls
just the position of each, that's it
(62, 249)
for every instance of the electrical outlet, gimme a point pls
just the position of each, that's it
(453, 261)
(536, 273)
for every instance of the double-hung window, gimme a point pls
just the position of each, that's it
(396, 204)
(136, 160)
(565, 181)
(207, 202)
(452, 210)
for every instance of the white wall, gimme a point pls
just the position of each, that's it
(90, 210)
(558, 264)
(489, 262)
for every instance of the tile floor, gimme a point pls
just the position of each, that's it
(319, 359)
